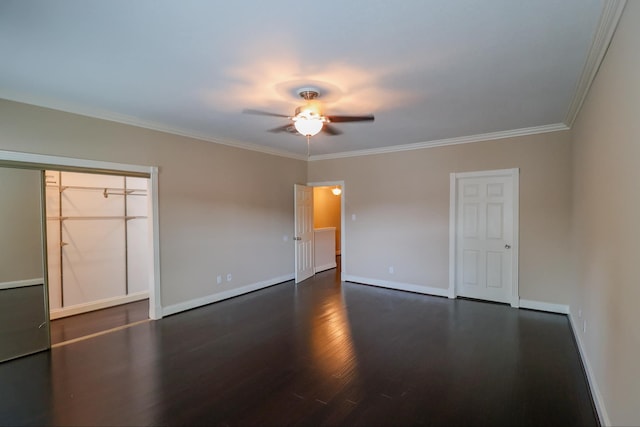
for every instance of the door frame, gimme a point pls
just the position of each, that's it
(43, 162)
(343, 232)
(514, 173)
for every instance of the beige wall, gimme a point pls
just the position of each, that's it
(326, 211)
(222, 209)
(606, 219)
(401, 203)
(20, 225)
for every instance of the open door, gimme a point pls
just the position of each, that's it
(24, 315)
(303, 232)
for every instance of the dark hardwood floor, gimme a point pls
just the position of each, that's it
(68, 328)
(319, 353)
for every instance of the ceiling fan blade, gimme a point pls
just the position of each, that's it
(285, 128)
(339, 119)
(263, 113)
(331, 130)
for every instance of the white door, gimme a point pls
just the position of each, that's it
(303, 232)
(485, 237)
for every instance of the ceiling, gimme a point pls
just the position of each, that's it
(430, 71)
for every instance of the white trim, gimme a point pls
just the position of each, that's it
(452, 235)
(343, 232)
(199, 302)
(598, 401)
(58, 313)
(134, 121)
(153, 245)
(399, 286)
(442, 142)
(22, 283)
(485, 173)
(611, 13)
(146, 124)
(154, 260)
(515, 267)
(16, 156)
(544, 306)
(453, 206)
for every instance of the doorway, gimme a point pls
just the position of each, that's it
(328, 226)
(483, 257)
(38, 163)
(327, 214)
(97, 252)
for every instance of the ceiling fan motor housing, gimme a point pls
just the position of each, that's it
(308, 93)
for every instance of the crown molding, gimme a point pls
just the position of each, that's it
(134, 121)
(146, 124)
(443, 142)
(611, 13)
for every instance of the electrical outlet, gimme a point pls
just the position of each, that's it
(580, 313)
(353, 217)
(219, 279)
(391, 270)
(229, 277)
(285, 238)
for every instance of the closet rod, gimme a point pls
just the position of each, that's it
(103, 189)
(106, 193)
(64, 218)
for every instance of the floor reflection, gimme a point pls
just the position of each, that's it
(331, 340)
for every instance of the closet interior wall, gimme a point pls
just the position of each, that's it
(97, 241)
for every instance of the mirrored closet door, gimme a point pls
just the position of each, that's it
(24, 314)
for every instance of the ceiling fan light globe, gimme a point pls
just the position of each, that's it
(308, 127)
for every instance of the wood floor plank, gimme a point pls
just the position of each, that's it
(80, 325)
(317, 353)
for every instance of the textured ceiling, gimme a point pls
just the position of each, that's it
(427, 70)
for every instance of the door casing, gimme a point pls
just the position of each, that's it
(43, 162)
(453, 217)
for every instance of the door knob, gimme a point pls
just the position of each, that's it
(297, 238)
(507, 246)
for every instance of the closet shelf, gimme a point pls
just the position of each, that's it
(65, 218)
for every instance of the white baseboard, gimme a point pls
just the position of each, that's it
(544, 306)
(593, 385)
(21, 283)
(58, 313)
(199, 302)
(325, 267)
(427, 290)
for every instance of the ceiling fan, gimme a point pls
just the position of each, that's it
(309, 119)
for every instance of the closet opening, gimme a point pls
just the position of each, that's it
(328, 226)
(97, 252)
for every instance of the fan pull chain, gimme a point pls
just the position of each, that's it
(308, 146)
